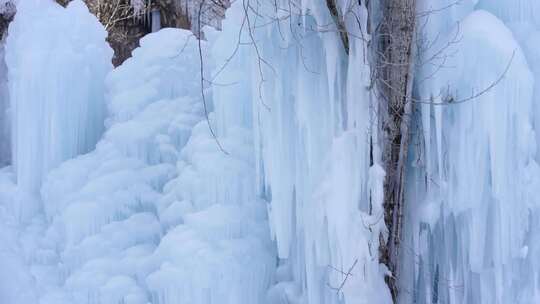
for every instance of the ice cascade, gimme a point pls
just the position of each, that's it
(246, 168)
(312, 119)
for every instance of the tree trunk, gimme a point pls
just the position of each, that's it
(394, 77)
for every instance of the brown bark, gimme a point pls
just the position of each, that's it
(394, 78)
(340, 23)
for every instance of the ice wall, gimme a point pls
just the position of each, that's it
(472, 207)
(45, 54)
(311, 114)
(56, 86)
(157, 213)
(288, 138)
(269, 189)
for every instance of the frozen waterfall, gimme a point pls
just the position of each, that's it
(312, 118)
(247, 168)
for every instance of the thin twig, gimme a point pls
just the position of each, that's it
(202, 85)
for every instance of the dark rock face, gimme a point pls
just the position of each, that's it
(172, 15)
(7, 12)
(124, 24)
(124, 37)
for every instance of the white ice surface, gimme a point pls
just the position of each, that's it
(56, 86)
(312, 120)
(156, 212)
(120, 193)
(472, 203)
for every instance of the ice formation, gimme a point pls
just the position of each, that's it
(473, 211)
(114, 218)
(5, 146)
(55, 86)
(312, 121)
(140, 216)
(246, 168)
(156, 205)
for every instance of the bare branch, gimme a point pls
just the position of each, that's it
(203, 96)
(451, 101)
(346, 274)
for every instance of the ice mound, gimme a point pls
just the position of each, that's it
(102, 205)
(157, 212)
(226, 255)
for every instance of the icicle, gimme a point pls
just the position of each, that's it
(56, 93)
(472, 227)
(156, 20)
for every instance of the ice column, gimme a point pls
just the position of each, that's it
(56, 76)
